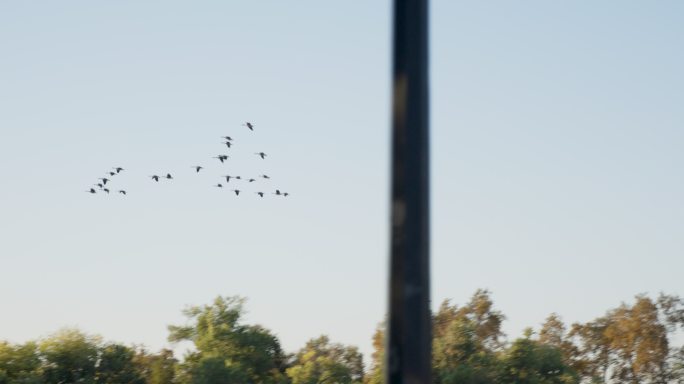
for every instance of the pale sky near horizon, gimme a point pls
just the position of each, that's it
(556, 161)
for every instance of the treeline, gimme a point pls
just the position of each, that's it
(632, 343)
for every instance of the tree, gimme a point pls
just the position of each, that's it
(214, 370)
(459, 355)
(116, 366)
(630, 344)
(466, 341)
(528, 361)
(555, 334)
(19, 364)
(375, 376)
(156, 368)
(69, 357)
(321, 361)
(677, 366)
(225, 348)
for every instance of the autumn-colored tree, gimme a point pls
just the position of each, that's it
(466, 341)
(554, 333)
(630, 344)
(375, 376)
(480, 313)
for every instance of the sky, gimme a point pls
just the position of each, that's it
(556, 136)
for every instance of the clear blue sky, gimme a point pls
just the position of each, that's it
(557, 161)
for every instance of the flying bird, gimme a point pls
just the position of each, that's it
(221, 157)
(261, 194)
(112, 173)
(263, 155)
(285, 194)
(118, 169)
(106, 190)
(265, 176)
(228, 144)
(104, 180)
(155, 178)
(197, 168)
(249, 125)
(237, 177)
(277, 192)
(121, 191)
(168, 176)
(228, 177)
(237, 192)
(100, 185)
(91, 190)
(251, 180)
(227, 138)
(218, 185)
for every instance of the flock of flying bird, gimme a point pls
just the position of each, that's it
(103, 187)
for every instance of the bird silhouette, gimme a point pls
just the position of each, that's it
(228, 144)
(237, 192)
(261, 194)
(121, 191)
(197, 168)
(218, 185)
(105, 189)
(237, 177)
(265, 176)
(100, 185)
(91, 190)
(228, 177)
(222, 158)
(112, 173)
(263, 155)
(104, 180)
(118, 169)
(249, 125)
(168, 176)
(227, 138)
(155, 178)
(251, 180)
(285, 194)
(277, 192)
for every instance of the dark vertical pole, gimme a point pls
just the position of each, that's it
(409, 333)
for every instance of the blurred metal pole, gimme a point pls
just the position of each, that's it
(409, 334)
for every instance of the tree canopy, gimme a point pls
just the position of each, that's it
(633, 343)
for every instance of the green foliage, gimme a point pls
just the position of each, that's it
(466, 341)
(215, 370)
(467, 348)
(528, 361)
(459, 356)
(156, 369)
(116, 366)
(227, 348)
(20, 364)
(629, 344)
(70, 357)
(323, 362)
